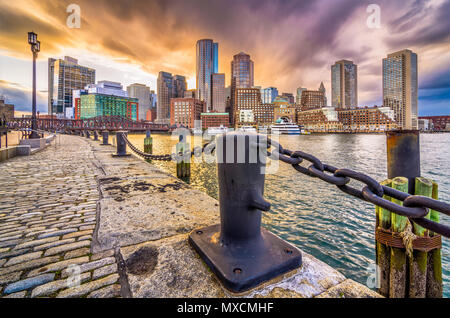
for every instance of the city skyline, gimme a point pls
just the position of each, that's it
(116, 58)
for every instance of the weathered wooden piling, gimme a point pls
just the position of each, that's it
(383, 251)
(183, 166)
(148, 144)
(434, 261)
(418, 261)
(397, 275)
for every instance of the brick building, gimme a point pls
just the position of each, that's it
(215, 120)
(319, 119)
(313, 99)
(185, 111)
(367, 119)
(438, 122)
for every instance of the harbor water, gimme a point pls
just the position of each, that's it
(317, 217)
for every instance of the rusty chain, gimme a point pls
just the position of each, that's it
(178, 157)
(415, 207)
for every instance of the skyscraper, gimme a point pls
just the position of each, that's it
(65, 76)
(400, 87)
(241, 76)
(168, 87)
(344, 84)
(218, 92)
(207, 64)
(142, 93)
(164, 94)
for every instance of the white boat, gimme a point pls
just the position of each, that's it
(197, 131)
(284, 126)
(217, 130)
(247, 129)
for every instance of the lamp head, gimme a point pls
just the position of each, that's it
(32, 38)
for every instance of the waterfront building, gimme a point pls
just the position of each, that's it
(168, 87)
(90, 105)
(6, 110)
(246, 118)
(185, 111)
(264, 113)
(285, 112)
(246, 99)
(218, 93)
(268, 95)
(65, 76)
(400, 87)
(213, 119)
(241, 77)
(313, 99)
(367, 119)
(424, 124)
(440, 123)
(344, 84)
(142, 93)
(323, 119)
(207, 54)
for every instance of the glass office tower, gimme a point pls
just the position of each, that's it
(400, 87)
(65, 76)
(344, 84)
(207, 54)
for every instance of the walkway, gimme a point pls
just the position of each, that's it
(76, 222)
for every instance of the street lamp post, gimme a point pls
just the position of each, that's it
(35, 48)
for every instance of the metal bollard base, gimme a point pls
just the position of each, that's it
(246, 265)
(121, 155)
(105, 144)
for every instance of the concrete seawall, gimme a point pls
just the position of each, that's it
(129, 223)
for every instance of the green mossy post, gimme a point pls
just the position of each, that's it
(434, 262)
(397, 275)
(148, 146)
(183, 168)
(418, 262)
(383, 252)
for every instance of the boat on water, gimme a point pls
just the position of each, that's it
(217, 130)
(284, 126)
(197, 131)
(247, 129)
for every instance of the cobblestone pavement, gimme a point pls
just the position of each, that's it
(48, 205)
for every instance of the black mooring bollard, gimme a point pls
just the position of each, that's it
(121, 145)
(403, 155)
(95, 135)
(239, 251)
(105, 137)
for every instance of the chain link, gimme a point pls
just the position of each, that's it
(415, 207)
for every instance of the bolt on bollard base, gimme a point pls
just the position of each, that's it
(121, 145)
(241, 253)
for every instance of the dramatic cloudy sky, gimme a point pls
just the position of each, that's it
(292, 42)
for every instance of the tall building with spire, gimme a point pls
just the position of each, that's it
(324, 92)
(344, 84)
(400, 87)
(207, 53)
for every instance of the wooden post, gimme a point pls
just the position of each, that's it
(418, 262)
(383, 252)
(397, 275)
(434, 262)
(148, 144)
(183, 167)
